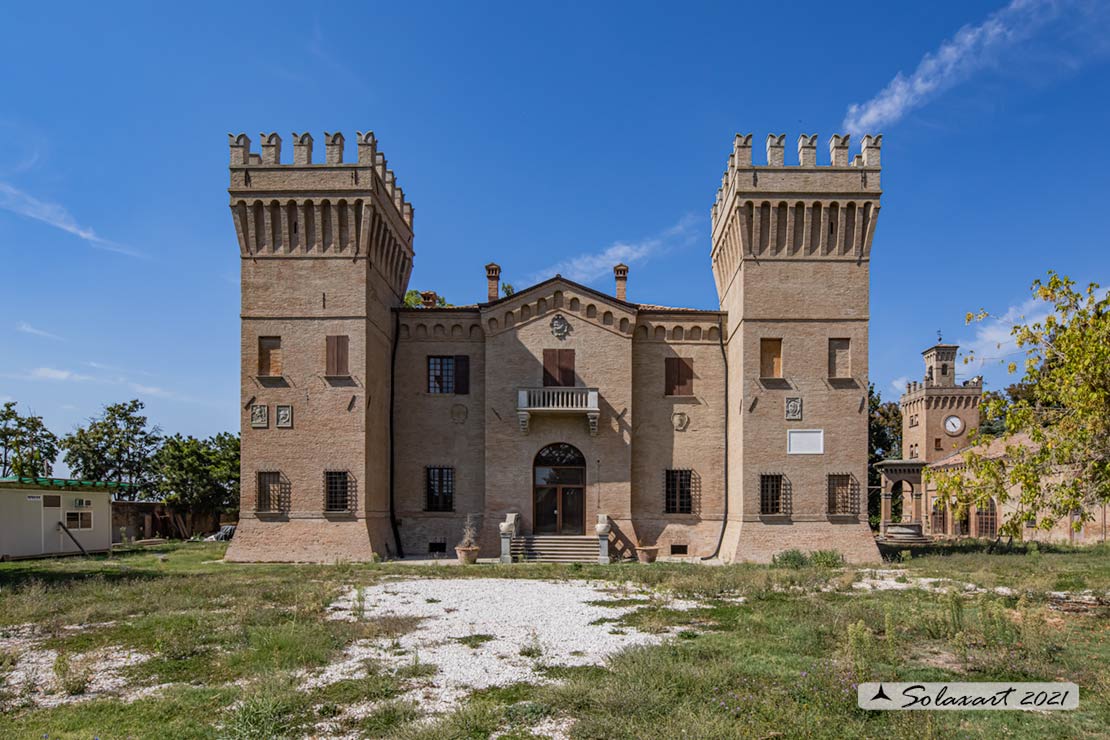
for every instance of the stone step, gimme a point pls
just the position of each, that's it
(555, 548)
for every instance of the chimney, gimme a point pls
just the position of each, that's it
(620, 274)
(430, 299)
(493, 281)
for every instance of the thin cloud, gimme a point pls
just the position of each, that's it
(26, 328)
(53, 214)
(971, 49)
(898, 385)
(53, 373)
(589, 266)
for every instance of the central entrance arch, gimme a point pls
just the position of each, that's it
(559, 490)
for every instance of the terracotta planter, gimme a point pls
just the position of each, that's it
(467, 555)
(646, 554)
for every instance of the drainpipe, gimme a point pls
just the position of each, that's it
(724, 516)
(392, 462)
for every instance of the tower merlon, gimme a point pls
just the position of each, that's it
(776, 146)
(271, 148)
(302, 148)
(807, 150)
(333, 148)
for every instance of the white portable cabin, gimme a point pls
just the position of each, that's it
(33, 510)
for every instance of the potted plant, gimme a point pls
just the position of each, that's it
(467, 549)
(646, 554)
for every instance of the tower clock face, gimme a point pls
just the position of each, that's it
(953, 425)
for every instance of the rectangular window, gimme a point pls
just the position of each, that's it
(841, 498)
(51, 501)
(805, 442)
(78, 520)
(439, 489)
(770, 358)
(840, 358)
(441, 374)
(680, 549)
(338, 495)
(679, 493)
(937, 444)
(558, 368)
(679, 376)
(269, 357)
(338, 354)
(770, 494)
(272, 494)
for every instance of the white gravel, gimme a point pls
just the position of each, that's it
(518, 613)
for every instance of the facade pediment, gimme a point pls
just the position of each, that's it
(559, 297)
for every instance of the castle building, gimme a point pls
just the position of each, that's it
(569, 423)
(939, 418)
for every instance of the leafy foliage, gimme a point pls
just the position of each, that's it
(201, 475)
(884, 436)
(507, 289)
(413, 299)
(1055, 423)
(27, 447)
(116, 446)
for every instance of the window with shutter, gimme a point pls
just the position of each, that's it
(558, 367)
(338, 354)
(462, 374)
(679, 376)
(840, 358)
(770, 358)
(269, 357)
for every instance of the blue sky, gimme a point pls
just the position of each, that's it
(556, 137)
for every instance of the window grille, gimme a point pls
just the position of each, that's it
(774, 494)
(679, 492)
(273, 492)
(439, 489)
(340, 491)
(843, 493)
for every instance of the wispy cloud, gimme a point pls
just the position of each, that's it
(970, 50)
(593, 265)
(53, 373)
(898, 385)
(53, 214)
(993, 347)
(26, 328)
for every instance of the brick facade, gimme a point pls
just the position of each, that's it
(327, 251)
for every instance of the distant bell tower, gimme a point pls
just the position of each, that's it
(938, 413)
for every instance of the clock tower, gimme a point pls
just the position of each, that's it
(938, 413)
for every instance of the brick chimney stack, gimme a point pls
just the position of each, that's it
(430, 299)
(620, 274)
(493, 281)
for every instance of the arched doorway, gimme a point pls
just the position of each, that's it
(559, 490)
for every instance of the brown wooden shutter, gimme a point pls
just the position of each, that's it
(566, 367)
(670, 383)
(550, 367)
(685, 376)
(338, 356)
(462, 374)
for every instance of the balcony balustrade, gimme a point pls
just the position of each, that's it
(557, 400)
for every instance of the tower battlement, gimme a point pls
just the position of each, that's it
(330, 208)
(781, 209)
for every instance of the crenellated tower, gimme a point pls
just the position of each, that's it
(326, 253)
(791, 247)
(939, 413)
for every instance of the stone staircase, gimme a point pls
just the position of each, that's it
(907, 534)
(554, 549)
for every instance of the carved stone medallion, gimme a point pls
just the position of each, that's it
(560, 327)
(284, 418)
(260, 416)
(793, 409)
(459, 413)
(681, 420)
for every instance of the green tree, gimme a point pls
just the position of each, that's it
(413, 299)
(507, 289)
(884, 436)
(199, 475)
(1055, 422)
(116, 446)
(27, 447)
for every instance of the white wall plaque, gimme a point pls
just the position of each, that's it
(805, 441)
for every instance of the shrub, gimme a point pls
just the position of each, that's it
(826, 559)
(790, 559)
(73, 676)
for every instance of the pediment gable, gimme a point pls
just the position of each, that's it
(558, 295)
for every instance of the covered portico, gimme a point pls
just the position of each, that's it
(902, 478)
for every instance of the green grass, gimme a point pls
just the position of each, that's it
(769, 651)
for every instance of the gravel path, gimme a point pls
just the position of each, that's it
(554, 619)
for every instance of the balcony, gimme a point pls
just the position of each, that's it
(556, 400)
